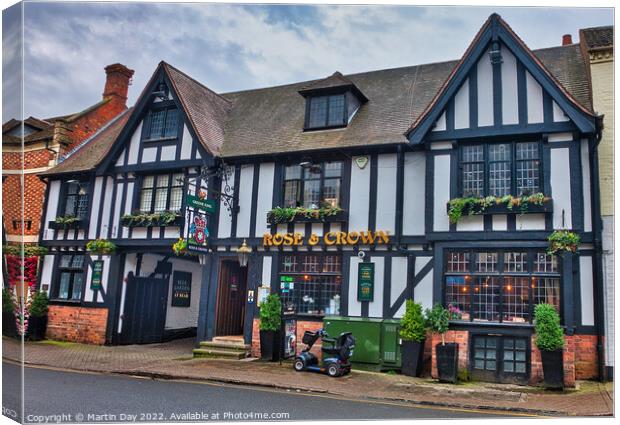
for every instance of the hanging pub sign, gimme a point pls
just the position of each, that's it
(365, 281)
(181, 289)
(197, 211)
(95, 281)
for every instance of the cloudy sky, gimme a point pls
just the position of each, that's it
(236, 47)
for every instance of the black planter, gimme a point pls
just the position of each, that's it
(36, 327)
(9, 328)
(266, 344)
(553, 369)
(412, 357)
(447, 362)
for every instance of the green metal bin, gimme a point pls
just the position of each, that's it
(367, 333)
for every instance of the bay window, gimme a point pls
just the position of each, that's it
(500, 169)
(313, 186)
(501, 286)
(310, 283)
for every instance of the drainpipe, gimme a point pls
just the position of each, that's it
(599, 304)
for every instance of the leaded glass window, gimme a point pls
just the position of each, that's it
(70, 277)
(161, 192)
(326, 111)
(76, 199)
(163, 124)
(313, 186)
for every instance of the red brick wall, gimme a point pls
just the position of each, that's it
(580, 358)
(89, 123)
(302, 326)
(77, 324)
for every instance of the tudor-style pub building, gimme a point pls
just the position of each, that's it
(310, 174)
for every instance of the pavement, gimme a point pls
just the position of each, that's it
(88, 397)
(173, 360)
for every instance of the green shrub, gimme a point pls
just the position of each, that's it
(38, 308)
(438, 320)
(549, 333)
(412, 325)
(271, 313)
(7, 301)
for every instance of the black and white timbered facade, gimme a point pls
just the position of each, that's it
(389, 148)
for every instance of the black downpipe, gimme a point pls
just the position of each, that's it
(599, 303)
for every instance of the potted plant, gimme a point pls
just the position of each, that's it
(438, 320)
(413, 335)
(550, 342)
(8, 314)
(37, 322)
(270, 323)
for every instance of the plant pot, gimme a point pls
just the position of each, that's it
(267, 344)
(9, 328)
(553, 369)
(37, 326)
(412, 357)
(447, 362)
(278, 346)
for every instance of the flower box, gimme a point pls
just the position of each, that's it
(533, 204)
(77, 224)
(151, 220)
(309, 216)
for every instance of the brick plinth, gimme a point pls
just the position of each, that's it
(77, 324)
(302, 326)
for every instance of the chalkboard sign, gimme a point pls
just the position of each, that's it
(365, 281)
(181, 289)
(95, 281)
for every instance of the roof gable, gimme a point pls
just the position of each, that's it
(495, 30)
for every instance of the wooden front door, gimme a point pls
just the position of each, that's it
(144, 315)
(231, 299)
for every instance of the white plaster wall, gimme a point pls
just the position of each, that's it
(149, 154)
(267, 264)
(107, 204)
(485, 91)
(186, 144)
(121, 159)
(386, 193)
(128, 205)
(359, 196)
(500, 222)
(414, 193)
(246, 178)
(265, 194)
(440, 125)
(558, 113)
(461, 106)
(117, 210)
(47, 268)
(441, 192)
(510, 96)
(530, 222)
(399, 282)
(609, 288)
(534, 100)
(355, 307)
(225, 220)
(134, 145)
(470, 224)
(587, 201)
(375, 307)
(184, 317)
(168, 153)
(95, 208)
(52, 208)
(560, 187)
(587, 290)
(423, 292)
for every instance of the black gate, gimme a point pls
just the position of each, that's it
(144, 315)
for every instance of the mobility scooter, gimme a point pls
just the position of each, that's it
(336, 353)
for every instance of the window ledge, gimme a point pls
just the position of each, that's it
(61, 301)
(161, 139)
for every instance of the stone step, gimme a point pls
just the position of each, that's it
(234, 339)
(225, 345)
(219, 353)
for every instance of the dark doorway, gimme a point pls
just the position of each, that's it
(144, 315)
(231, 299)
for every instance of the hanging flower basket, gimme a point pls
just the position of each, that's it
(180, 247)
(562, 241)
(101, 247)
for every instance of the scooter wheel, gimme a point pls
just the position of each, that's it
(298, 365)
(333, 370)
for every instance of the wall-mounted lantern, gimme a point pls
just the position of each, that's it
(243, 253)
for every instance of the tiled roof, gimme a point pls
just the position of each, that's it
(206, 109)
(93, 150)
(597, 37)
(270, 120)
(44, 130)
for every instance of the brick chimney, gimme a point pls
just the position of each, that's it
(567, 39)
(117, 82)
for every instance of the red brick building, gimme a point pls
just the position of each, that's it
(44, 142)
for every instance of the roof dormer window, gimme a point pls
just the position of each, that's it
(331, 102)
